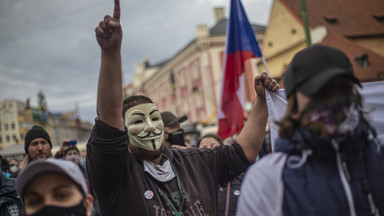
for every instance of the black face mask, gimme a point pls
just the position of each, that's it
(77, 210)
(176, 138)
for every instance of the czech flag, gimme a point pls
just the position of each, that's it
(241, 45)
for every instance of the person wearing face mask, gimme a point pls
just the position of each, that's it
(54, 187)
(130, 168)
(328, 159)
(173, 133)
(73, 154)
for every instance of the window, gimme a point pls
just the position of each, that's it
(331, 20)
(182, 78)
(362, 60)
(199, 100)
(379, 18)
(6, 127)
(172, 79)
(195, 71)
(13, 126)
(185, 105)
(7, 139)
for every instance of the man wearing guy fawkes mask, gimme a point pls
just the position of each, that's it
(173, 133)
(130, 168)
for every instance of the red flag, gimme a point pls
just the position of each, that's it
(241, 45)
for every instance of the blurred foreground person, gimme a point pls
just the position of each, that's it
(328, 160)
(54, 187)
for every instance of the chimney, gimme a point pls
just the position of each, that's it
(219, 14)
(202, 31)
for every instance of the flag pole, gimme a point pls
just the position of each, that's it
(265, 65)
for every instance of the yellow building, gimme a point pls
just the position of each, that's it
(356, 27)
(17, 117)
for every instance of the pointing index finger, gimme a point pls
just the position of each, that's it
(116, 10)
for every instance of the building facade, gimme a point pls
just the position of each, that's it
(17, 117)
(189, 82)
(353, 26)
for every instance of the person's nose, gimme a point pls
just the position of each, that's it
(39, 146)
(150, 126)
(49, 201)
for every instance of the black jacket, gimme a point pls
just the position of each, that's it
(10, 203)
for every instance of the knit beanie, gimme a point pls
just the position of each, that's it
(33, 133)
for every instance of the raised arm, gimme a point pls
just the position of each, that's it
(110, 93)
(252, 136)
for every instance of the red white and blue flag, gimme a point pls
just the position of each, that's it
(241, 45)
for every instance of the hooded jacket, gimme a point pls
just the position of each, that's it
(316, 176)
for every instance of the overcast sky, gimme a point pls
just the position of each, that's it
(50, 45)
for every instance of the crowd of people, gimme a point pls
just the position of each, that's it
(327, 161)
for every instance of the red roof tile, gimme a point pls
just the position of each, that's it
(351, 49)
(354, 18)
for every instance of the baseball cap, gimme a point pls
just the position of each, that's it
(313, 67)
(169, 118)
(68, 168)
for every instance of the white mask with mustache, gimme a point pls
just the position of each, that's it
(145, 126)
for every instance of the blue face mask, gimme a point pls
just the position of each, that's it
(77, 210)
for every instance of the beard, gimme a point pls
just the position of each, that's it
(145, 154)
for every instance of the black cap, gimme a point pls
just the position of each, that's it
(169, 118)
(33, 133)
(313, 67)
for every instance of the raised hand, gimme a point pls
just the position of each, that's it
(109, 34)
(264, 80)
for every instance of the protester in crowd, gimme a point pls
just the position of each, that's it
(73, 154)
(173, 133)
(209, 141)
(229, 191)
(10, 204)
(37, 146)
(54, 187)
(328, 160)
(66, 144)
(153, 179)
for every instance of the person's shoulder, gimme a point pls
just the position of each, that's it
(270, 165)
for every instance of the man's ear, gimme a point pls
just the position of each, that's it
(88, 203)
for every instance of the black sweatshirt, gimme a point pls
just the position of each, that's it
(123, 188)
